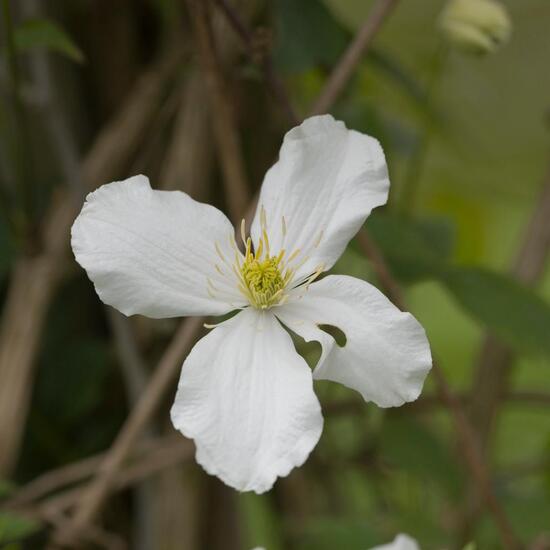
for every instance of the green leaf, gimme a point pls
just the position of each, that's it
(419, 250)
(415, 449)
(327, 533)
(513, 312)
(307, 35)
(44, 33)
(6, 488)
(14, 527)
(415, 249)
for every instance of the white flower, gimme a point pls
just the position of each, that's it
(477, 26)
(245, 396)
(401, 542)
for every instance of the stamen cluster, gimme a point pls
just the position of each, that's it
(261, 277)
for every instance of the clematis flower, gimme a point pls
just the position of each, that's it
(245, 395)
(401, 542)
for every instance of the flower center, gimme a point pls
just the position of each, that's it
(264, 279)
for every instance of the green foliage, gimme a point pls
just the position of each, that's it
(416, 250)
(6, 488)
(328, 533)
(412, 447)
(14, 527)
(44, 33)
(513, 312)
(420, 250)
(307, 35)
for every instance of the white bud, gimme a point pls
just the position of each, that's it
(476, 26)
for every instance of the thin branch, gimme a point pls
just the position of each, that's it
(345, 68)
(262, 55)
(77, 472)
(227, 138)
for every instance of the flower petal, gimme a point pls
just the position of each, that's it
(386, 356)
(246, 397)
(152, 252)
(401, 542)
(325, 184)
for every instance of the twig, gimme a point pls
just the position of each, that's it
(95, 494)
(264, 58)
(77, 472)
(351, 57)
(187, 164)
(227, 138)
(495, 359)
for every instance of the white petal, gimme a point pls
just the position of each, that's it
(401, 542)
(386, 356)
(246, 397)
(325, 184)
(152, 252)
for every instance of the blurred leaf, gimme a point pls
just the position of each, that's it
(6, 488)
(418, 250)
(415, 249)
(513, 312)
(7, 248)
(413, 448)
(329, 533)
(307, 35)
(44, 33)
(13, 527)
(81, 365)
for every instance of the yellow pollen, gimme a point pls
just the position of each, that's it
(263, 279)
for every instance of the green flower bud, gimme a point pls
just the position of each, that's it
(475, 26)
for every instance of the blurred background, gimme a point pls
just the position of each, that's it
(92, 91)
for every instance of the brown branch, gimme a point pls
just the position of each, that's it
(495, 359)
(262, 56)
(77, 472)
(352, 56)
(224, 126)
(187, 164)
